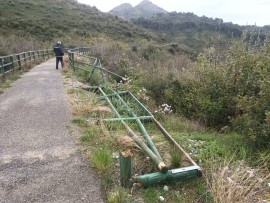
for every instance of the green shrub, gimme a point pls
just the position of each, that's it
(230, 92)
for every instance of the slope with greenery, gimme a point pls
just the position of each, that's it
(211, 93)
(188, 30)
(67, 20)
(224, 95)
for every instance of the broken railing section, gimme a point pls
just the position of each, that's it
(130, 103)
(150, 150)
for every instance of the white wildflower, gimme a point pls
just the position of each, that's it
(166, 188)
(161, 198)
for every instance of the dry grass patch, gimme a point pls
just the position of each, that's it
(234, 181)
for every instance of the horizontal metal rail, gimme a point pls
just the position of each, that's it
(18, 61)
(129, 118)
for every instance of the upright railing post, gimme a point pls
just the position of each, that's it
(34, 57)
(12, 62)
(24, 58)
(125, 169)
(19, 61)
(72, 61)
(29, 58)
(2, 68)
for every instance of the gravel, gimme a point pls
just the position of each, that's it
(40, 159)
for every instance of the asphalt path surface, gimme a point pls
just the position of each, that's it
(40, 159)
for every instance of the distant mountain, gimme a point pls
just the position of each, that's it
(144, 9)
(193, 33)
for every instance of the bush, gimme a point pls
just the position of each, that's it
(249, 85)
(230, 92)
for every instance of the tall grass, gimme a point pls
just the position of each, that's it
(12, 44)
(101, 159)
(234, 181)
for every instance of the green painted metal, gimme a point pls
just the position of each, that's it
(159, 162)
(148, 179)
(92, 72)
(114, 94)
(174, 175)
(140, 104)
(125, 170)
(128, 119)
(2, 69)
(17, 61)
(149, 141)
(169, 137)
(112, 73)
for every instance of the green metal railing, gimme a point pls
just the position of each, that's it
(133, 111)
(18, 61)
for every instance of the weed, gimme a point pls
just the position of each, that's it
(108, 180)
(101, 159)
(176, 158)
(151, 195)
(90, 133)
(234, 181)
(117, 195)
(82, 122)
(72, 91)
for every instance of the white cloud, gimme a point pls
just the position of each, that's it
(236, 11)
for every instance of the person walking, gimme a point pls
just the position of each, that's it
(58, 51)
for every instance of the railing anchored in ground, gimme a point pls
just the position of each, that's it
(15, 62)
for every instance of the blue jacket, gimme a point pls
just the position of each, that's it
(58, 50)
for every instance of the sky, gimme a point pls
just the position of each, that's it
(241, 12)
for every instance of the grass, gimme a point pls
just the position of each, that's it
(118, 195)
(234, 181)
(105, 138)
(82, 122)
(92, 135)
(101, 159)
(176, 158)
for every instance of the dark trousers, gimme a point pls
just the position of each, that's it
(59, 58)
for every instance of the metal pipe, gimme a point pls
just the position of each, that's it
(143, 130)
(113, 94)
(140, 104)
(173, 175)
(128, 119)
(112, 73)
(169, 137)
(160, 164)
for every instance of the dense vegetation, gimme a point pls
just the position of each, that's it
(45, 22)
(181, 61)
(193, 33)
(218, 91)
(219, 95)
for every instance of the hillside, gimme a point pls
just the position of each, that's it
(193, 33)
(70, 21)
(144, 9)
(51, 19)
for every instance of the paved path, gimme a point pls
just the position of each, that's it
(40, 160)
